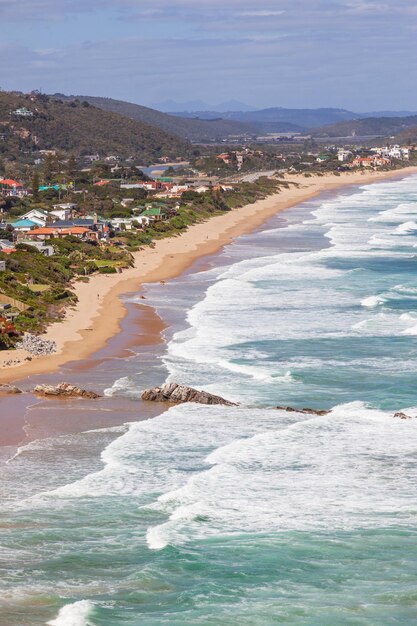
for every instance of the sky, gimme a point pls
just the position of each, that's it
(354, 54)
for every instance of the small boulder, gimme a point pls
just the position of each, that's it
(178, 394)
(64, 390)
(402, 416)
(9, 389)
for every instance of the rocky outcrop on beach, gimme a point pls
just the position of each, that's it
(178, 394)
(9, 389)
(36, 345)
(291, 409)
(64, 390)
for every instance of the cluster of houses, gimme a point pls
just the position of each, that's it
(375, 157)
(238, 156)
(36, 226)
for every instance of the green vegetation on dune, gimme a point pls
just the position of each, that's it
(43, 284)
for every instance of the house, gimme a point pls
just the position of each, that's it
(143, 220)
(225, 157)
(41, 247)
(41, 218)
(42, 234)
(23, 225)
(23, 112)
(155, 215)
(90, 158)
(6, 246)
(10, 187)
(202, 189)
(125, 202)
(47, 152)
(2, 266)
(63, 211)
(370, 161)
(343, 155)
(92, 223)
(67, 206)
(149, 185)
(49, 232)
(122, 223)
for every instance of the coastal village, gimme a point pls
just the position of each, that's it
(66, 216)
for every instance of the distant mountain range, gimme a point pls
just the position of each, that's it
(277, 119)
(191, 129)
(212, 126)
(171, 106)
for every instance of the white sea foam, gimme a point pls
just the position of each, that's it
(318, 472)
(372, 301)
(75, 614)
(120, 386)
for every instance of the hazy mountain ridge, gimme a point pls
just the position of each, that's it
(169, 106)
(371, 126)
(189, 129)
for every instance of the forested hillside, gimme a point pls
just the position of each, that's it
(78, 127)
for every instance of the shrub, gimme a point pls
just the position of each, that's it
(107, 270)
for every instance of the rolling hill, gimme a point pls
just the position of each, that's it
(81, 128)
(190, 129)
(371, 126)
(277, 119)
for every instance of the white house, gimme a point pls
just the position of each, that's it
(122, 223)
(41, 218)
(2, 266)
(201, 189)
(61, 214)
(343, 155)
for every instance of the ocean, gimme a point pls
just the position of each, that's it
(248, 515)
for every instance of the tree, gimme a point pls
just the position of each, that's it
(35, 186)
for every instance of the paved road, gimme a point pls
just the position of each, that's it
(250, 178)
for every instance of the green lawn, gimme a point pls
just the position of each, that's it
(37, 288)
(107, 263)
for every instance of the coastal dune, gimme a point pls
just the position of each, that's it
(99, 311)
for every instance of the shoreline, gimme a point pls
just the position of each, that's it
(100, 310)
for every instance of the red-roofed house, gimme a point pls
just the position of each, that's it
(10, 187)
(41, 234)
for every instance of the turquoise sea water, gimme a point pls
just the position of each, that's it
(251, 515)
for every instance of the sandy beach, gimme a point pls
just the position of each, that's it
(96, 318)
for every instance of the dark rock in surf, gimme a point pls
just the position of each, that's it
(291, 409)
(64, 390)
(178, 394)
(402, 416)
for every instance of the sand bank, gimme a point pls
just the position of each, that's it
(87, 327)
